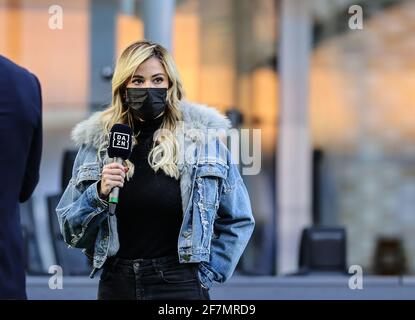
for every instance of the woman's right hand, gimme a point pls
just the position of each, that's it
(113, 175)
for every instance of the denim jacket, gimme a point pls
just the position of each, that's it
(217, 217)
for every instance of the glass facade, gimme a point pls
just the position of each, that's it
(59, 57)
(362, 120)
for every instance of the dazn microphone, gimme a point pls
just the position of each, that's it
(119, 149)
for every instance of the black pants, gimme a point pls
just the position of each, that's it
(150, 279)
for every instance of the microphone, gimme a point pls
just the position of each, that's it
(119, 149)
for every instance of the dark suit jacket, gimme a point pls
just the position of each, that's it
(20, 152)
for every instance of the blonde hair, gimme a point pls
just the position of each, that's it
(163, 154)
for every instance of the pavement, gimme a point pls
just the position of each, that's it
(252, 288)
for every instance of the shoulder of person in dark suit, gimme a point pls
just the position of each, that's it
(25, 89)
(31, 177)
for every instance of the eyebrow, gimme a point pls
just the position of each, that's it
(154, 75)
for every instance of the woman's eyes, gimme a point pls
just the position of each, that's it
(141, 81)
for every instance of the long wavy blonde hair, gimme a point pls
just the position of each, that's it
(163, 154)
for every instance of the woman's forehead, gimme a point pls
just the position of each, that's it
(150, 67)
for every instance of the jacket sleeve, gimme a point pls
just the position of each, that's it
(80, 211)
(31, 177)
(233, 228)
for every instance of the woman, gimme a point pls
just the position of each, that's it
(184, 215)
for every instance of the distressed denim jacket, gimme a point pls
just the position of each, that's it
(217, 217)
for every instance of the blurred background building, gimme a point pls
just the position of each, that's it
(335, 107)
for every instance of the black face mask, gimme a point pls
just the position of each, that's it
(146, 103)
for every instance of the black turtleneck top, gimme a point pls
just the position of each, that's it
(149, 212)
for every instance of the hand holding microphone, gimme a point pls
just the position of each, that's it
(113, 174)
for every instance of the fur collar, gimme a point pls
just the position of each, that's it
(195, 116)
